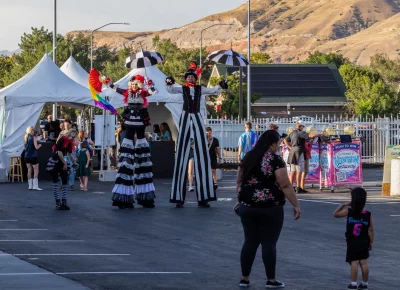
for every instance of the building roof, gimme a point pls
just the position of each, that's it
(286, 83)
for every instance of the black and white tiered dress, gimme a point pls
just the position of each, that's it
(135, 175)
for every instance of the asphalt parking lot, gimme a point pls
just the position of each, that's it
(96, 246)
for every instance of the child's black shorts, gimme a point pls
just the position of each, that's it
(357, 250)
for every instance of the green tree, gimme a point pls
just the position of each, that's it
(260, 58)
(35, 44)
(230, 103)
(371, 98)
(115, 69)
(387, 68)
(326, 58)
(176, 60)
(367, 92)
(5, 68)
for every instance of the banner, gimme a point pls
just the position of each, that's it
(314, 165)
(325, 164)
(391, 152)
(347, 166)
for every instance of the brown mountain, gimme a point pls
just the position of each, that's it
(288, 30)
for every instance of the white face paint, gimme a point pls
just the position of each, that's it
(191, 79)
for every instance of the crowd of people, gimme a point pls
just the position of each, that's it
(263, 183)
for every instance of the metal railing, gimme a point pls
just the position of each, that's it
(375, 132)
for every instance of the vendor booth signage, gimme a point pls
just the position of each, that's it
(347, 168)
(341, 164)
(391, 152)
(314, 166)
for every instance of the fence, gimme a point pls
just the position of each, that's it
(375, 133)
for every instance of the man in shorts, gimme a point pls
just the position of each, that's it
(296, 144)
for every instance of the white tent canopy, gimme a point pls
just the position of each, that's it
(22, 102)
(173, 102)
(152, 73)
(75, 72)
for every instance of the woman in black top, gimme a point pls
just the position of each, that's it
(262, 188)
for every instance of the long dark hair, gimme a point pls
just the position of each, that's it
(164, 128)
(358, 200)
(156, 128)
(253, 158)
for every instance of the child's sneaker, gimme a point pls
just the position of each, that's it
(361, 286)
(352, 287)
(274, 285)
(244, 283)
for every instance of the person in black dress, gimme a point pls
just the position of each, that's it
(135, 174)
(215, 154)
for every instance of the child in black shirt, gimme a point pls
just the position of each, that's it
(359, 235)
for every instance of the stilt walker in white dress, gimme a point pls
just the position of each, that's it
(135, 175)
(192, 121)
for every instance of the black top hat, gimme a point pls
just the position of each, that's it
(192, 73)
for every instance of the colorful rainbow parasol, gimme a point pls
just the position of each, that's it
(95, 85)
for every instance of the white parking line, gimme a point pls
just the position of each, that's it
(4, 255)
(23, 229)
(332, 202)
(102, 273)
(89, 273)
(8, 220)
(388, 202)
(318, 201)
(45, 241)
(395, 215)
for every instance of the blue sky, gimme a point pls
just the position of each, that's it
(18, 16)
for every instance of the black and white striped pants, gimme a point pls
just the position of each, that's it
(203, 173)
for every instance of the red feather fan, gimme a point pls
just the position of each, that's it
(95, 80)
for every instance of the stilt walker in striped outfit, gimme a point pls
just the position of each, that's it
(135, 175)
(192, 121)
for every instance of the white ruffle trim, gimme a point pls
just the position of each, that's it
(143, 175)
(144, 155)
(126, 164)
(128, 143)
(140, 143)
(127, 155)
(125, 176)
(144, 164)
(123, 189)
(144, 188)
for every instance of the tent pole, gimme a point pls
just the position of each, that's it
(55, 111)
(240, 93)
(102, 147)
(108, 138)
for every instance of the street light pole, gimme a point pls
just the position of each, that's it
(54, 51)
(91, 61)
(91, 38)
(201, 40)
(248, 69)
